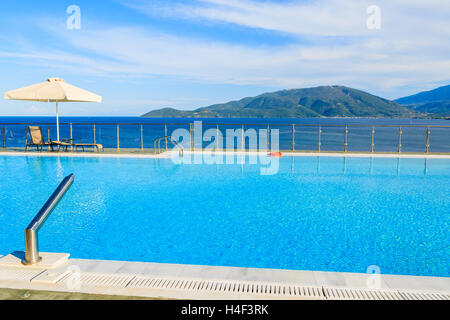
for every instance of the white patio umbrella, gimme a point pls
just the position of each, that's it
(53, 90)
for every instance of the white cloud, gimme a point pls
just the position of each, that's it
(411, 47)
(412, 44)
(308, 17)
(324, 17)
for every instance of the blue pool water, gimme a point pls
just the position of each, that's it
(330, 214)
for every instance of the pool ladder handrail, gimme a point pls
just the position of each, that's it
(31, 239)
(169, 138)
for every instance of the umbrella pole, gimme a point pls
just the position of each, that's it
(57, 122)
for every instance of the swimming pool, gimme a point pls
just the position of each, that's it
(327, 213)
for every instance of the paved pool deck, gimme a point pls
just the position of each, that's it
(20, 294)
(175, 281)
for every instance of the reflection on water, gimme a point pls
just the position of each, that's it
(362, 165)
(371, 166)
(325, 165)
(59, 169)
(345, 165)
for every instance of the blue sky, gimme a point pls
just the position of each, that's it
(143, 55)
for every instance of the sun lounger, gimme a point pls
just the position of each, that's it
(98, 146)
(66, 143)
(37, 139)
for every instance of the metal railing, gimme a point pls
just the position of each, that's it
(31, 237)
(119, 133)
(176, 144)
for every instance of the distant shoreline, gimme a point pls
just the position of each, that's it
(147, 117)
(191, 117)
(89, 120)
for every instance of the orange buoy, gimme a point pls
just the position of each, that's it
(276, 154)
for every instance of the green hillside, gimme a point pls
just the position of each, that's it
(325, 101)
(435, 103)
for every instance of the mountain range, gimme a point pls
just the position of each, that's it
(323, 101)
(435, 102)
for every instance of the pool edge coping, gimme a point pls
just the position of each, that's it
(321, 281)
(169, 154)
